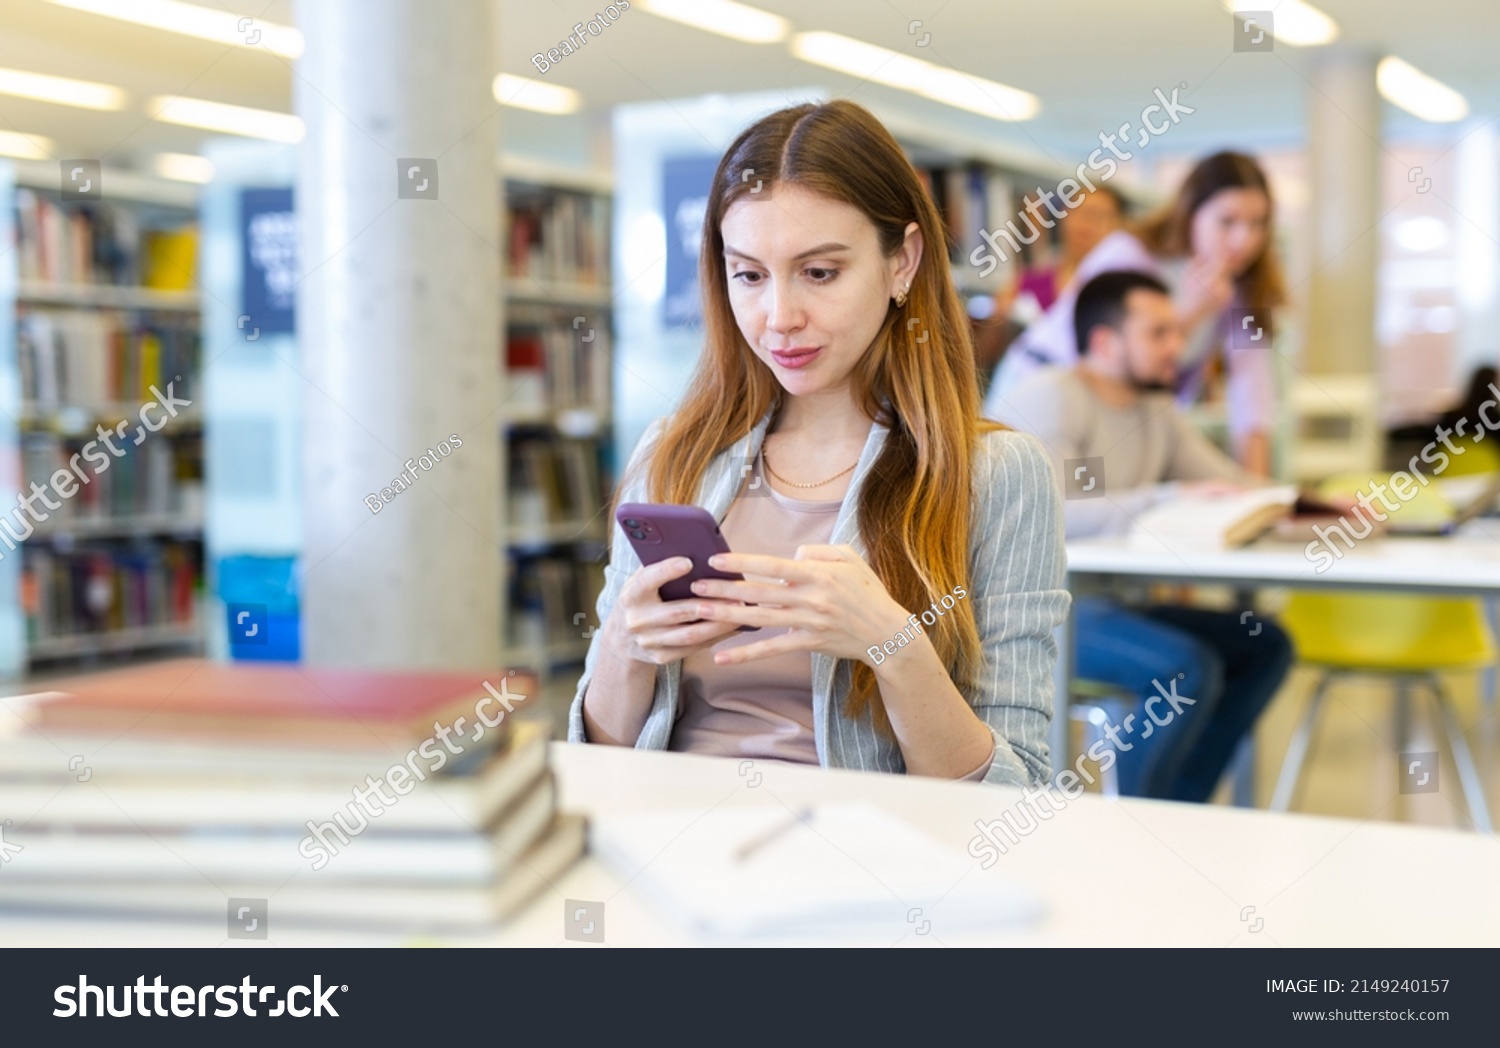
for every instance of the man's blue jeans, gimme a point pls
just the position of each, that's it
(1230, 670)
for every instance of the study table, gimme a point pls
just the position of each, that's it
(1464, 564)
(1107, 872)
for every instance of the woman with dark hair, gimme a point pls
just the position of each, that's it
(1213, 244)
(832, 427)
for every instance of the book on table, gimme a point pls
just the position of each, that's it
(1209, 522)
(385, 800)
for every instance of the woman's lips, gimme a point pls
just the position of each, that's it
(798, 357)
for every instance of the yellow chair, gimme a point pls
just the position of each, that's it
(1481, 457)
(1410, 639)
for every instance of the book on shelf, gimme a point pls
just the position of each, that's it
(553, 598)
(104, 359)
(157, 478)
(557, 236)
(106, 588)
(555, 365)
(553, 480)
(971, 198)
(100, 243)
(270, 781)
(170, 261)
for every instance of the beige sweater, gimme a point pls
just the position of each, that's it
(1146, 447)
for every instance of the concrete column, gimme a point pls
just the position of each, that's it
(1344, 158)
(1477, 229)
(398, 333)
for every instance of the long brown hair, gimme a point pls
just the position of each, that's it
(917, 379)
(1169, 232)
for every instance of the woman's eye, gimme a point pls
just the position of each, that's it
(821, 276)
(747, 277)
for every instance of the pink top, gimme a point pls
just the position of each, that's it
(761, 709)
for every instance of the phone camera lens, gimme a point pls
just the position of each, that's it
(637, 534)
(632, 524)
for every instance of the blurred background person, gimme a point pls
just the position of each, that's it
(1116, 404)
(1213, 245)
(1035, 288)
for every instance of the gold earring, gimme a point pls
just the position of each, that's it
(901, 296)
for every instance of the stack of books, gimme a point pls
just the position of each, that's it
(310, 797)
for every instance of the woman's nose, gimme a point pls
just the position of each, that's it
(783, 308)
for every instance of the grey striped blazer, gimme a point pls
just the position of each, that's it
(1016, 565)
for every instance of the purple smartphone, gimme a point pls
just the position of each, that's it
(660, 532)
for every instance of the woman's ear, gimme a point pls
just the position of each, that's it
(907, 257)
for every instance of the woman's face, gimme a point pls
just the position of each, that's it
(808, 283)
(1233, 225)
(1096, 216)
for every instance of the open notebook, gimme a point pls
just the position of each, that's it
(845, 868)
(1213, 521)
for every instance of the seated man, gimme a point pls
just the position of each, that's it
(1117, 404)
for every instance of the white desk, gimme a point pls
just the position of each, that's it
(1468, 564)
(1110, 873)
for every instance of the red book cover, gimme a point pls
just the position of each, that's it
(299, 705)
(525, 352)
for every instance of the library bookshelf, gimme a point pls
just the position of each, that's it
(556, 357)
(100, 302)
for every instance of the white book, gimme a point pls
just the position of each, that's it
(308, 902)
(272, 858)
(67, 755)
(44, 347)
(255, 799)
(756, 872)
(1212, 521)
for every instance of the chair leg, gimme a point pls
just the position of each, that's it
(1094, 717)
(1242, 773)
(1401, 713)
(1463, 759)
(1491, 673)
(1297, 749)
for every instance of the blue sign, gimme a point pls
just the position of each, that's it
(685, 183)
(268, 231)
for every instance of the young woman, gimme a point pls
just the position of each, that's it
(903, 557)
(1214, 246)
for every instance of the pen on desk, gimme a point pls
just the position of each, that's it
(755, 844)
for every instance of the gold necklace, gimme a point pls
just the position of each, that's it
(792, 483)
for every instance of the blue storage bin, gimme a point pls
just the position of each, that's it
(263, 614)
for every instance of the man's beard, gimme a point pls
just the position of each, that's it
(1152, 385)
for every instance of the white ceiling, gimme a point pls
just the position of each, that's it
(1094, 64)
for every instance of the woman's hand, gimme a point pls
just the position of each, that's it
(1206, 290)
(1255, 453)
(831, 601)
(644, 628)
